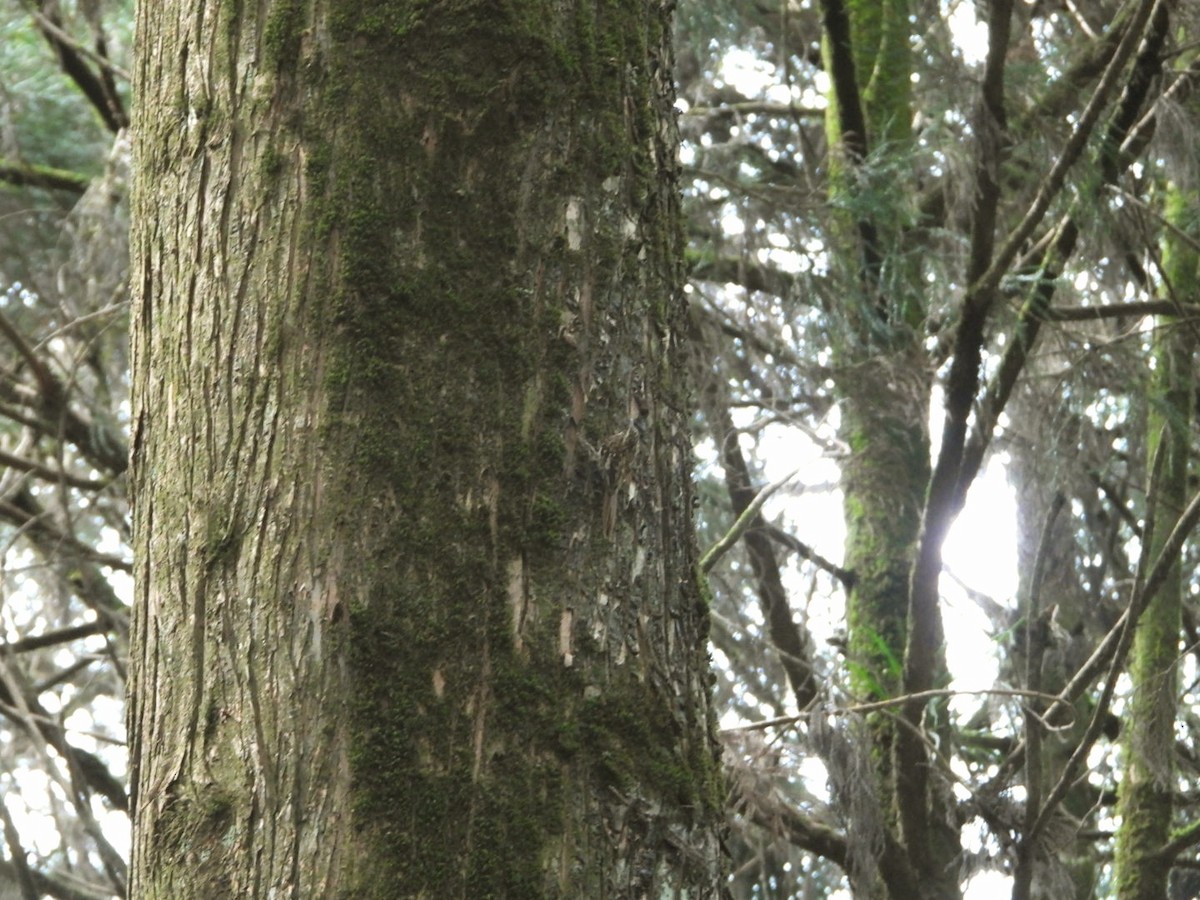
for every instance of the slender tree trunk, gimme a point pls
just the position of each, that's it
(1057, 623)
(417, 606)
(884, 384)
(1148, 786)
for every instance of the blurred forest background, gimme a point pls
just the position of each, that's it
(934, 245)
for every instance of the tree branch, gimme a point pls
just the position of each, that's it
(27, 175)
(789, 638)
(1110, 311)
(1187, 836)
(106, 102)
(754, 107)
(747, 518)
(1053, 182)
(54, 638)
(845, 576)
(1144, 592)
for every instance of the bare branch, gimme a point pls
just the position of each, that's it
(1053, 182)
(754, 107)
(744, 521)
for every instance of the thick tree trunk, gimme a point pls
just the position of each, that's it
(417, 611)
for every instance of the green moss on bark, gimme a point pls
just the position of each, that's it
(1148, 787)
(473, 743)
(446, 608)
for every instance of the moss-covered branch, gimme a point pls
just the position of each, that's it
(27, 175)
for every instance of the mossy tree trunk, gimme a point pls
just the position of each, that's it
(1142, 868)
(885, 382)
(417, 606)
(899, 508)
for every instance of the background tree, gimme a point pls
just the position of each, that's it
(63, 419)
(895, 221)
(1147, 791)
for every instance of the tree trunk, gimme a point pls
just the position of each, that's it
(417, 609)
(1058, 620)
(884, 386)
(1147, 790)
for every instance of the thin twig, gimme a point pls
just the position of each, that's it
(889, 703)
(725, 544)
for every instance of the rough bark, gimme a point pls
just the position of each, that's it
(417, 607)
